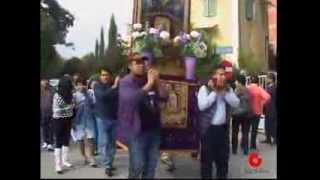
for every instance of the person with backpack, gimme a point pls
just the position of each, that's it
(241, 116)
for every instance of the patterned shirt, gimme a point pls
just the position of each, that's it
(60, 108)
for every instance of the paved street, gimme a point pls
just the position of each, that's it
(187, 167)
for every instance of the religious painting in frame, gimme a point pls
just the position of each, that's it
(175, 11)
(174, 112)
(179, 122)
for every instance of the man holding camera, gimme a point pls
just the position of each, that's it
(215, 101)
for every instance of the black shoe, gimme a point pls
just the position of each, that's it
(253, 149)
(234, 151)
(109, 172)
(171, 168)
(95, 153)
(245, 152)
(194, 154)
(59, 172)
(94, 165)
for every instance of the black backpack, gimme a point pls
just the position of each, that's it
(244, 108)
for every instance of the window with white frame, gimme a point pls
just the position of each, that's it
(209, 8)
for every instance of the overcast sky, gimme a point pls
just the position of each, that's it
(90, 16)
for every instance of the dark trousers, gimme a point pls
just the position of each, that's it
(245, 125)
(62, 129)
(268, 129)
(274, 131)
(96, 133)
(254, 130)
(144, 153)
(47, 130)
(215, 148)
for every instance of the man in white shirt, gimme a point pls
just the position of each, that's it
(215, 101)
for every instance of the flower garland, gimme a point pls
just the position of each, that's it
(192, 45)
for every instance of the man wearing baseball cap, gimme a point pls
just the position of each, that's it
(139, 116)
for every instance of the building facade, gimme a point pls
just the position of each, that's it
(272, 33)
(253, 31)
(220, 19)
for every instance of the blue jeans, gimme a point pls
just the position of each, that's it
(106, 142)
(144, 154)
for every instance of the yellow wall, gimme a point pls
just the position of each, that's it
(224, 26)
(223, 19)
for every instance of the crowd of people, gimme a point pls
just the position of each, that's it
(95, 113)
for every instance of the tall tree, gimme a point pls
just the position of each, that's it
(114, 60)
(89, 65)
(101, 51)
(112, 33)
(73, 65)
(96, 51)
(55, 22)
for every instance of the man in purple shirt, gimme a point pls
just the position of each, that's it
(139, 117)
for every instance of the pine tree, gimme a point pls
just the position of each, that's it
(97, 50)
(101, 51)
(112, 41)
(115, 61)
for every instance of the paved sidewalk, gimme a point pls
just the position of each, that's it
(187, 167)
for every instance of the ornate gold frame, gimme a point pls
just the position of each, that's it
(136, 18)
(175, 117)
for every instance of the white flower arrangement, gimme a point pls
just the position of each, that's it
(191, 44)
(200, 50)
(164, 35)
(137, 26)
(195, 34)
(137, 34)
(143, 33)
(177, 39)
(153, 31)
(126, 37)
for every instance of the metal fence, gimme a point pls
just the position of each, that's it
(262, 80)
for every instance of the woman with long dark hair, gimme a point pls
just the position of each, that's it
(63, 106)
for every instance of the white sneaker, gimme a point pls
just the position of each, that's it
(50, 147)
(44, 145)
